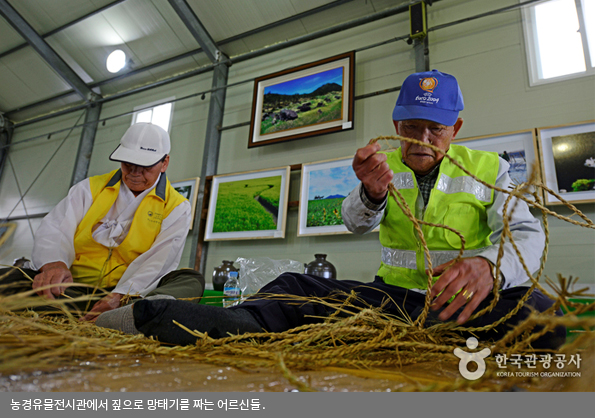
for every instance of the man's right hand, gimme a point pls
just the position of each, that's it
(373, 171)
(52, 273)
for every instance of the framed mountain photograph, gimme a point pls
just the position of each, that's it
(312, 99)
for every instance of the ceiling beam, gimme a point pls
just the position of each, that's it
(46, 52)
(260, 29)
(238, 58)
(66, 26)
(197, 29)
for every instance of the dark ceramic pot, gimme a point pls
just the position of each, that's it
(221, 274)
(321, 267)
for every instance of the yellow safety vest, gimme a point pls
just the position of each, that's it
(96, 264)
(457, 200)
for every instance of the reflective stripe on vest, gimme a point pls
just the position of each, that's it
(456, 200)
(463, 184)
(407, 259)
(403, 181)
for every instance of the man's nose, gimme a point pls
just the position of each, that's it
(422, 135)
(136, 169)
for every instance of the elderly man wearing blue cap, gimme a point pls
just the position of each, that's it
(438, 192)
(122, 232)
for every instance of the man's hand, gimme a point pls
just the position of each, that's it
(472, 276)
(373, 171)
(107, 303)
(52, 273)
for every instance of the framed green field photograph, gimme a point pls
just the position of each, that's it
(324, 186)
(308, 100)
(248, 205)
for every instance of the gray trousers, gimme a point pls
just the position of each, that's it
(184, 283)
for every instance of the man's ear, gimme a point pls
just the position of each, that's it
(165, 164)
(457, 127)
(396, 123)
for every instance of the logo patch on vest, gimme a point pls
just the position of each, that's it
(154, 217)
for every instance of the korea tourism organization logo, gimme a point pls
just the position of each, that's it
(477, 358)
(428, 84)
(515, 363)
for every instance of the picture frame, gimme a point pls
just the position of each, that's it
(6, 231)
(568, 161)
(189, 189)
(324, 185)
(304, 101)
(248, 205)
(519, 148)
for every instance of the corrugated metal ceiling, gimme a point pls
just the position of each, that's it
(84, 32)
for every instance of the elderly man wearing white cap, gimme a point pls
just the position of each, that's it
(123, 231)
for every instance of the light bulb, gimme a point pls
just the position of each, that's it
(116, 61)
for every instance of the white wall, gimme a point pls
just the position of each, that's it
(486, 55)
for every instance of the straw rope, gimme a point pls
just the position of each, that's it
(359, 340)
(517, 192)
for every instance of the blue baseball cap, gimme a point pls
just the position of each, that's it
(430, 95)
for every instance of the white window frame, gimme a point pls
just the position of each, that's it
(150, 106)
(528, 15)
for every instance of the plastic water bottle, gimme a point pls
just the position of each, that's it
(231, 290)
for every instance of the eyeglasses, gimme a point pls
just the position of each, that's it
(131, 167)
(411, 129)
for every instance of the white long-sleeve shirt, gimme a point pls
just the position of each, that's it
(525, 228)
(54, 240)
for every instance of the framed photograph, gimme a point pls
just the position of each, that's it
(248, 205)
(189, 189)
(6, 231)
(518, 148)
(312, 99)
(324, 186)
(568, 161)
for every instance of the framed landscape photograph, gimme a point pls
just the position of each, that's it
(518, 148)
(312, 99)
(324, 186)
(248, 205)
(568, 161)
(6, 231)
(189, 189)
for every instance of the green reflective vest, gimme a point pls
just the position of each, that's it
(457, 200)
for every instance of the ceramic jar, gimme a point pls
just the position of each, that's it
(221, 274)
(321, 267)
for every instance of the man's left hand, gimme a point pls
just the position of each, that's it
(471, 276)
(109, 302)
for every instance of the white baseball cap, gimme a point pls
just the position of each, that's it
(143, 144)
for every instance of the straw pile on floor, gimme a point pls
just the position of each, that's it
(368, 345)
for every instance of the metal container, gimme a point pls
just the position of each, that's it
(321, 267)
(221, 274)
